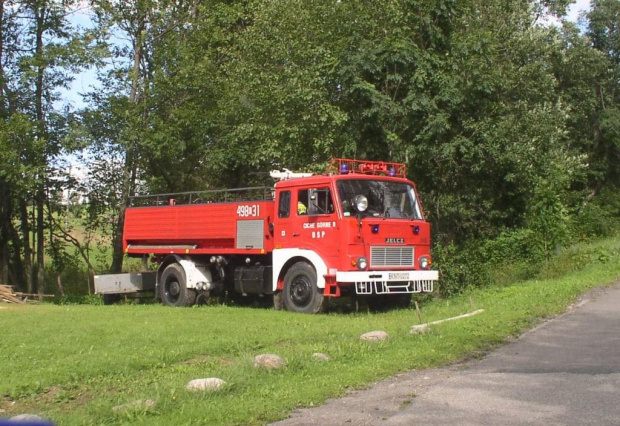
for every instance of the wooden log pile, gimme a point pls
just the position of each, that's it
(9, 295)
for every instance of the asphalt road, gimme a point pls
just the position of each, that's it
(564, 372)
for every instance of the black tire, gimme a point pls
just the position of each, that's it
(300, 291)
(173, 290)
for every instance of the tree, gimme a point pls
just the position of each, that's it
(39, 52)
(158, 112)
(604, 33)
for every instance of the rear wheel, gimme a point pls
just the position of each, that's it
(173, 289)
(301, 293)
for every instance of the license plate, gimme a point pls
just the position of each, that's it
(398, 275)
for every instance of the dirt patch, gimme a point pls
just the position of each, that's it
(7, 407)
(54, 396)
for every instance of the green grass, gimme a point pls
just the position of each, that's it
(72, 364)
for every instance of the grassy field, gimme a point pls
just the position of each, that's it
(72, 364)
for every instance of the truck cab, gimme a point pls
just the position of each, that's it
(357, 231)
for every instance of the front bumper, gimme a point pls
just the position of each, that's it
(389, 282)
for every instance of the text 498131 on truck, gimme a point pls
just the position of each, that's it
(358, 230)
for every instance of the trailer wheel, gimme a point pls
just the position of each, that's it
(300, 291)
(173, 289)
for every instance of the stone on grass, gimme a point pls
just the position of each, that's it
(420, 329)
(270, 361)
(141, 404)
(374, 336)
(320, 357)
(29, 418)
(208, 384)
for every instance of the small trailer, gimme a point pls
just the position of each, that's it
(113, 286)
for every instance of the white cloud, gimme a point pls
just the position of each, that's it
(573, 13)
(576, 8)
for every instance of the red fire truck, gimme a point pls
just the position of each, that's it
(358, 230)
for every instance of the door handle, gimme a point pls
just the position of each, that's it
(296, 234)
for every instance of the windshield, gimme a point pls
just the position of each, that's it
(385, 198)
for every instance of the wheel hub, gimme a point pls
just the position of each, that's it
(301, 291)
(174, 289)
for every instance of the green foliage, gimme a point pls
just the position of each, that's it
(459, 268)
(599, 218)
(73, 299)
(580, 256)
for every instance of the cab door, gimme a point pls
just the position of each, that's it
(314, 224)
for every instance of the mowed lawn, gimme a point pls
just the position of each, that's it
(73, 364)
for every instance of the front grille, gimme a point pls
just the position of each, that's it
(381, 257)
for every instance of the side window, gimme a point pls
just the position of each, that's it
(284, 207)
(315, 201)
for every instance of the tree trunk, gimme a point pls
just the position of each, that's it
(41, 242)
(3, 107)
(40, 198)
(5, 210)
(16, 267)
(117, 244)
(25, 228)
(5, 220)
(130, 166)
(61, 289)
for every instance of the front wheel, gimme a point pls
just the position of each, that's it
(173, 289)
(300, 291)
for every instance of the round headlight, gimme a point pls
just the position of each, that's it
(424, 262)
(361, 203)
(362, 263)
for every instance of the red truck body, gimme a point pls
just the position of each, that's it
(359, 230)
(193, 228)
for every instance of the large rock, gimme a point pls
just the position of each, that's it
(270, 361)
(208, 384)
(374, 336)
(320, 356)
